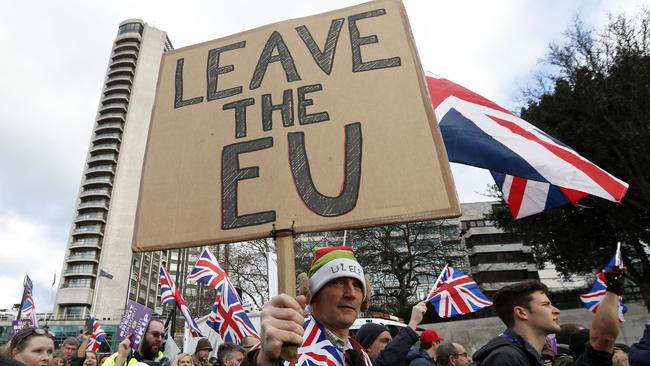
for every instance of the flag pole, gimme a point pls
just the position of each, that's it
(286, 279)
(435, 284)
(618, 260)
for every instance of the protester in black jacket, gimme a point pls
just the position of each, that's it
(392, 353)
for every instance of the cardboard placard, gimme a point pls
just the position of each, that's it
(319, 123)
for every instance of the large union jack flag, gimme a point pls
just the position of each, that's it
(207, 270)
(170, 295)
(97, 337)
(28, 307)
(456, 293)
(317, 350)
(595, 296)
(534, 171)
(228, 317)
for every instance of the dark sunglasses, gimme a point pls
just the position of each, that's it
(464, 354)
(32, 332)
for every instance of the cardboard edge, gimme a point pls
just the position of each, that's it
(441, 150)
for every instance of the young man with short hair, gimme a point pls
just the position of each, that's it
(426, 354)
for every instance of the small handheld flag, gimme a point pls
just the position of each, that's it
(170, 295)
(595, 296)
(97, 337)
(207, 270)
(28, 306)
(455, 293)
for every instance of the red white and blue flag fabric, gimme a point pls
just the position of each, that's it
(595, 296)
(317, 350)
(97, 337)
(456, 294)
(534, 171)
(28, 307)
(207, 271)
(170, 295)
(228, 317)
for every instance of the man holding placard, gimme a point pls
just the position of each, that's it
(148, 352)
(338, 288)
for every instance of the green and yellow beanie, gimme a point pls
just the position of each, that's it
(332, 263)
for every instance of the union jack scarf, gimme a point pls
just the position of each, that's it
(317, 350)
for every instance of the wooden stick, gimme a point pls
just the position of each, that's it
(287, 281)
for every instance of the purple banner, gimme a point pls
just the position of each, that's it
(17, 325)
(134, 323)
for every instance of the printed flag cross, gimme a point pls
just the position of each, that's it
(97, 337)
(455, 293)
(228, 317)
(170, 295)
(207, 271)
(595, 296)
(534, 171)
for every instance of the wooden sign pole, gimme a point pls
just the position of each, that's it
(286, 279)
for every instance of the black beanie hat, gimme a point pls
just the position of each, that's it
(367, 334)
(578, 342)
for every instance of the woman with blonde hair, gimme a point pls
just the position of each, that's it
(32, 346)
(183, 359)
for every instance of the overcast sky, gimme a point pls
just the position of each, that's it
(55, 53)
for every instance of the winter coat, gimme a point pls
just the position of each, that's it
(640, 352)
(419, 358)
(395, 352)
(508, 349)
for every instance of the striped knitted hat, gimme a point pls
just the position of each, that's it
(332, 263)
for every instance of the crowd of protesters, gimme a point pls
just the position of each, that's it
(338, 291)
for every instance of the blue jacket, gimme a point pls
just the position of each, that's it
(418, 357)
(640, 352)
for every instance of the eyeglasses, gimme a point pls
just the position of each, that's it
(32, 332)
(464, 354)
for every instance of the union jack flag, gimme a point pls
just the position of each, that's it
(170, 295)
(28, 307)
(97, 337)
(534, 171)
(593, 298)
(228, 317)
(456, 293)
(317, 350)
(207, 270)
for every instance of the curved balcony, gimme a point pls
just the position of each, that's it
(76, 258)
(118, 97)
(119, 80)
(120, 71)
(132, 45)
(94, 204)
(94, 244)
(91, 217)
(119, 88)
(128, 37)
(87, 230)
(100, 192)
(78, 272)
(111, 117)
(110, 127)
(103, 158)
(99, 181)
(126, 54)
(113, 147)
(108, 137)
(113, 108)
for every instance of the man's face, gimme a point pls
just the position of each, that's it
(460, 358)
(152, 340)
(68, 350)
(337, 304)
(542, 315)
(379, 344)
(203, 354)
